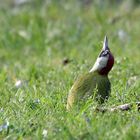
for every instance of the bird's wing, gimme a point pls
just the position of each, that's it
(82, 86)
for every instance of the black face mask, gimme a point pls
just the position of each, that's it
(104, 53)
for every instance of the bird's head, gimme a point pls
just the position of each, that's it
(105, 60)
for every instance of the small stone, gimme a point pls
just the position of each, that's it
(18, 84)
(124, 107)
(37, 101)
(45, 133)
(4, 126)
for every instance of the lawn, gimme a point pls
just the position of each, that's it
(37, 38)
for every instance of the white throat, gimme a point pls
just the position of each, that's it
(100, 63)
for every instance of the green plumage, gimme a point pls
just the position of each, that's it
(86, 85)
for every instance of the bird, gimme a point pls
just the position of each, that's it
(94, 83)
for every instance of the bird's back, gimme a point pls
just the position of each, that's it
(86, 85)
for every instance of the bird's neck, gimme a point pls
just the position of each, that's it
(104, 66)
(99, 73)
(108, 67)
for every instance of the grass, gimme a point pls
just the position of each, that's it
(35, 39)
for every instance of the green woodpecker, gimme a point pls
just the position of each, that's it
(95, 79)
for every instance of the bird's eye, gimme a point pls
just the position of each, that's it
(104, 53)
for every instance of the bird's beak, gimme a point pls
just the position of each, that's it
(105, 44)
